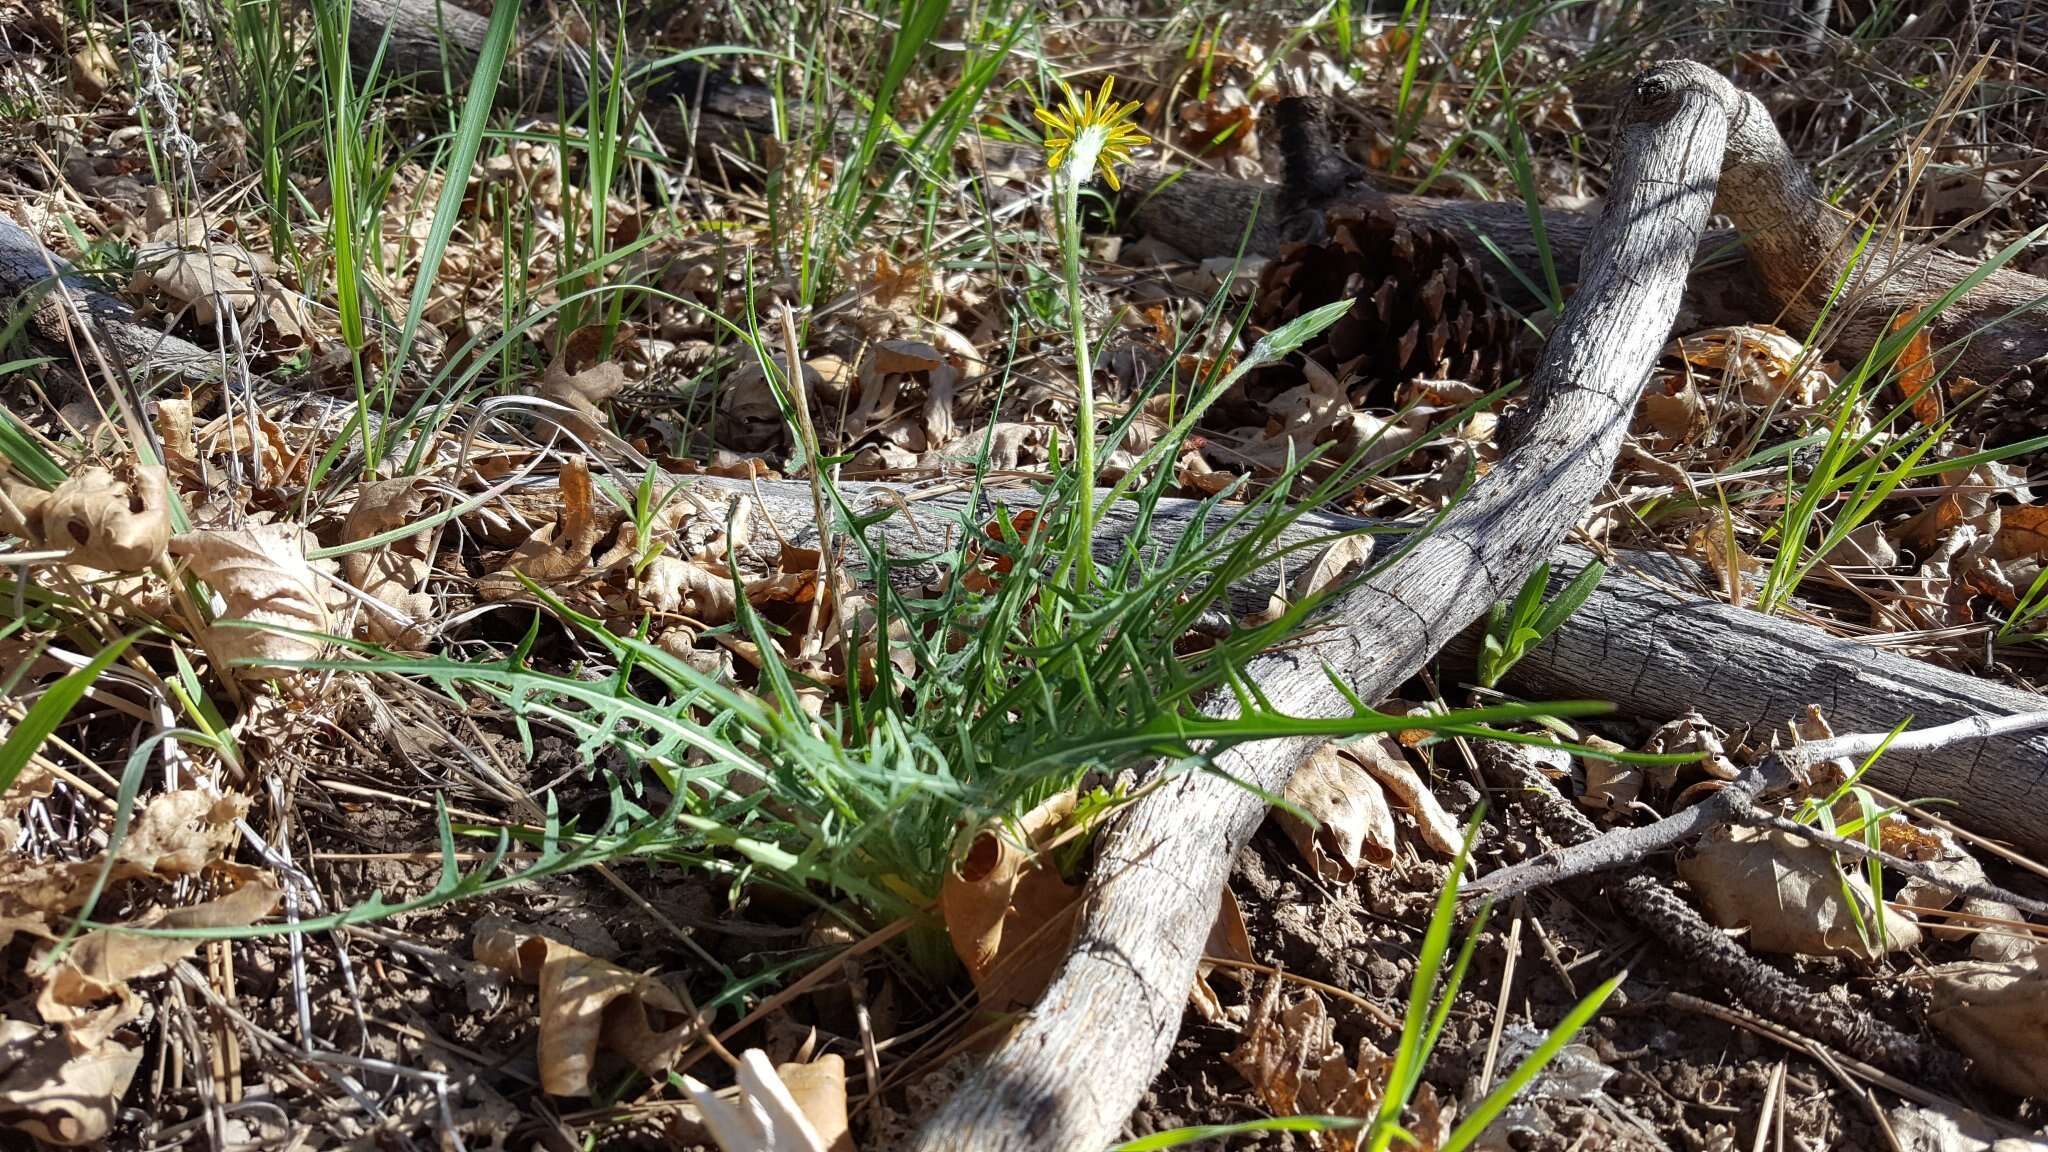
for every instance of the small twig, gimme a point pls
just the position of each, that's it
(1782, 769)
(1705, 949)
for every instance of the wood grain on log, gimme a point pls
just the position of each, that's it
(1069, 1076)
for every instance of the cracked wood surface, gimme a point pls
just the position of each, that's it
(1069, 1076)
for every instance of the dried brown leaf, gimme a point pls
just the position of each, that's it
(205, 281)
(100, 965)
(563, 550)
(588, 1005)
(1228, 940)
(62, 1088)
(1352, 823)
(1338, 562)
(262, 573)
(582, 392)
(1382, 756)
(392, 573)
(1998, 1015)
(1007, 910)
(1788, 892)
(97, 519)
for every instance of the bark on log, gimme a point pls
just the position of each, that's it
(1069, 1076)
(1803, 248)
(25, 269)
(433, 41)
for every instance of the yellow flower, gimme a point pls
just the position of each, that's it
(1094, 131)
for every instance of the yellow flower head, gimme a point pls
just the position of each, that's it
(1091, 130)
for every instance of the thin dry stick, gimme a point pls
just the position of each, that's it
(1779, 771)
(1858, 850)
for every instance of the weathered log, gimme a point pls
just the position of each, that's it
(1803, 249)
(1069, 1076)
(690, 106)
(25, 270)
(1655, 650)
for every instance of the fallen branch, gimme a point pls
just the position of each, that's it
(1069, 1076)
(26, 269)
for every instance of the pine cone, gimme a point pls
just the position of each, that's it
(1423, 307)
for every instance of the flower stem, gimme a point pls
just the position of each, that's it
(1081, 559)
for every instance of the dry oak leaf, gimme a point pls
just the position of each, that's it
(1007, 911)
(1352, 824)
(390, 574)
(95, 518)
(100, 965)
(588, 1005)
(262, 573)
(1788, 892)
(1998, 1015)
(61, 1088)
(582, 392)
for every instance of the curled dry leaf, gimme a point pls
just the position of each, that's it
(95, 518)
(262, 573)
(1998, 1015)
(1764, 363)
(180, 833)
(59, 1088)
(588, 1005)
(1334, 564)
(1228, 940)
(1006, 909)
(88, 991)
(561, 550)
(1789, 893)
(1382, 756)
(208, 281)
(174, 431)
(1611, 785)
(1352, 823)
(582, 392)
(391, 573)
